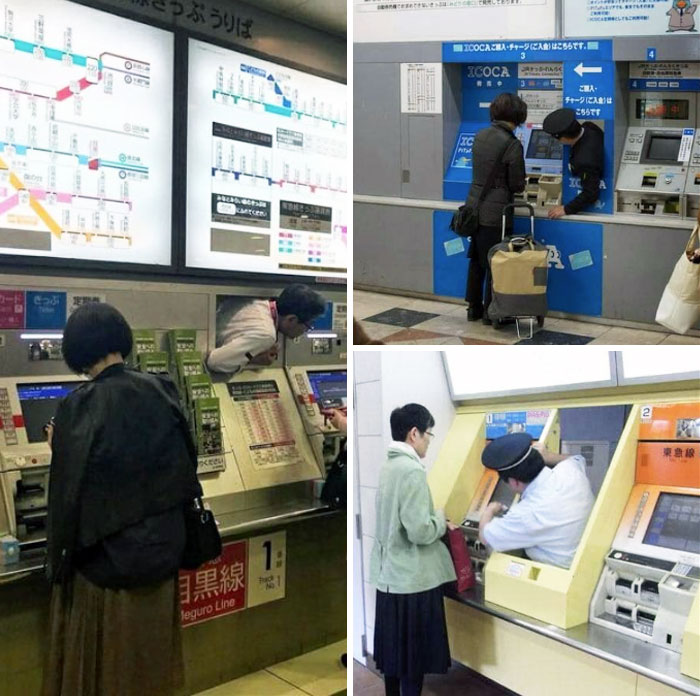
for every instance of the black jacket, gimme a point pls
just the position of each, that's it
(586, 161)
(510, 174)
(122, 453)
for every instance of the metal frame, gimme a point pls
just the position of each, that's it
(601, 384)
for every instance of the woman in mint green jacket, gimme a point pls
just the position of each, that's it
(409, 564)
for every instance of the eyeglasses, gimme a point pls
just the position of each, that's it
(427, 432)
(309, 327)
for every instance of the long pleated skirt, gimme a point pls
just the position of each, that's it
(106, 642)
(410, 634)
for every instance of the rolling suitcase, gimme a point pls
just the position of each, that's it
(518, 276)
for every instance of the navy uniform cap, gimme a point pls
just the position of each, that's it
(559, 121)
(507, 452)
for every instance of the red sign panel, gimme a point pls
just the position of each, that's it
(11, 309)
(217, 588)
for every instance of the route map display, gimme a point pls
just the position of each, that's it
(266, 167)
(85, 134)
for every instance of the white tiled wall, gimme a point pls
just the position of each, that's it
(383, 381)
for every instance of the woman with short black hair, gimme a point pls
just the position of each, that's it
(507, 111)
(123, 466)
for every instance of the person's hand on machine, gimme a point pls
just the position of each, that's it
(556, 212)
(266, 357)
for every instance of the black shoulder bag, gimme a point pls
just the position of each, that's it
(202, 540)
(465, 220)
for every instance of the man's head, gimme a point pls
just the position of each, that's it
(411, 424)
(514, 458)
(297, 307)
(94, 331)
(562, 125)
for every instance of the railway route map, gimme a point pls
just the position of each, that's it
(267, 188)
(85, 134)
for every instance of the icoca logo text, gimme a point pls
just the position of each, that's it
(487, 71)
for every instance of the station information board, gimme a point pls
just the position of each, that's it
(85, 135)
(267, 188)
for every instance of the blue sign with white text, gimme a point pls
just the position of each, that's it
(526, 51)
(46, 310)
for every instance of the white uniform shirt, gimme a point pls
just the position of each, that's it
(250, 330)
(550, 517)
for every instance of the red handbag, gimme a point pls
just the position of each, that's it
(456, 543)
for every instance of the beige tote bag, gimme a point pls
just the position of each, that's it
(679, 308)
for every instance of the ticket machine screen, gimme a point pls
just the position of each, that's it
(675, 523)
(661, 148)
(667, 109)
(543, 146)
(39, 402)
(330, 388)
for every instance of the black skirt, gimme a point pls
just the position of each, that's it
(410, 634)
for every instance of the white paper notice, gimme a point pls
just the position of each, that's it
(421, 88)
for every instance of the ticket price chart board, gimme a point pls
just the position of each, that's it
(266, 427)
(85, 134)
(267, 148)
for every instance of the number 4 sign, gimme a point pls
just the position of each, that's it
(267, 568)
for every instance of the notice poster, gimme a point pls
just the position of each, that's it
(421, 88)
(267, 430)
(85, 134)
(617, 18)
(451, 20)
(267, 188)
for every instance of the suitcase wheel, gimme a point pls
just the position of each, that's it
(540, 321)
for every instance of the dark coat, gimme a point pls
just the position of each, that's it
(122, 452)
(510, 175)
(586, 161)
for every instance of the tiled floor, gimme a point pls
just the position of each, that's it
(318, 673)
(459, 680)
(400, 320)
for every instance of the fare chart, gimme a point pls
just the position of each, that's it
(85, 134)
(267, 188)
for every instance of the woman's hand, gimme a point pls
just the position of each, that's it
(339, 421)
(48, 431)
(451, 525)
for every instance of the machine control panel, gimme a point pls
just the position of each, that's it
(318, 390)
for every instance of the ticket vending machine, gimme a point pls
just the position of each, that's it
(539, 85)
(652, 572)
(26, 405)
(656, 156)
(692, 184)
(319, 389)
(490, 488)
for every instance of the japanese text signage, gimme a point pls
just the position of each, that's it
(629, 17)
(248, 573)
(668, 76)
(225, 18)
(589, 89)
(45, 310)
(531, 422)
(11, 309)
(528, 51)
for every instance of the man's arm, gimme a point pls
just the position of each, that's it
(234, 355)
(492, 509)
(550, 458)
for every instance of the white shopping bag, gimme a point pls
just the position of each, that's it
(679, 308)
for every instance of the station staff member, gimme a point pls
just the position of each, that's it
(250, 335)
(555, 500)
(586, 160)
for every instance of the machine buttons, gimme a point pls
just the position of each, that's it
(20, 462)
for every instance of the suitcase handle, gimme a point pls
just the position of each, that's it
(520, 242)
(513, 206)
